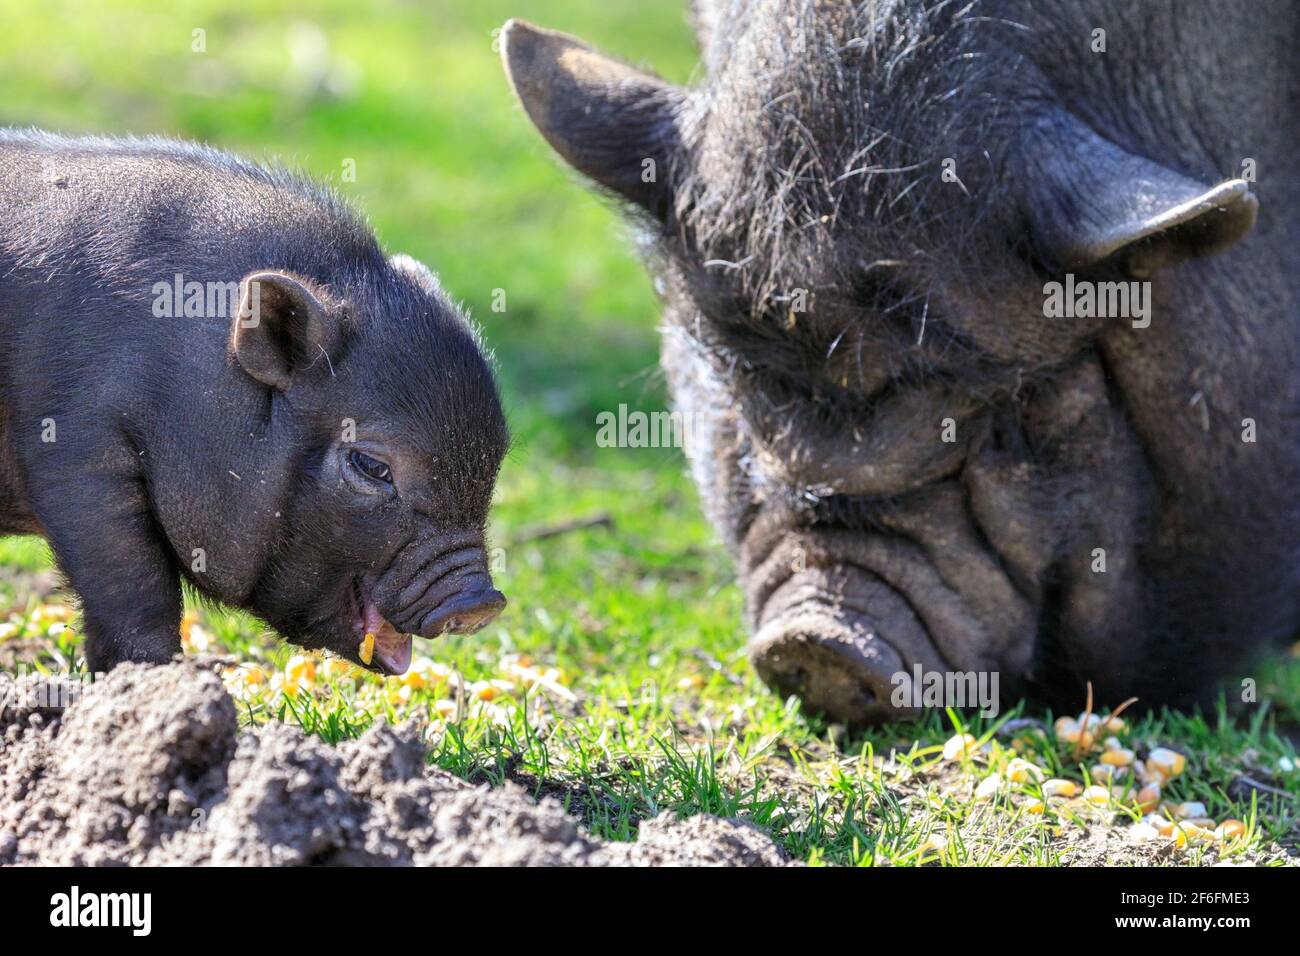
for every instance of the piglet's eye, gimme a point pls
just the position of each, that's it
(372, 468)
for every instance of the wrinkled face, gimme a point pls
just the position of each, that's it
(396, 442)
(918, 454)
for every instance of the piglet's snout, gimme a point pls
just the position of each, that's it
(465, 612)
(441, 587)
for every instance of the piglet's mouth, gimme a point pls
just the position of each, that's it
(381, 646)
(391, 649)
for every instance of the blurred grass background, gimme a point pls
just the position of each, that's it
(640, 612)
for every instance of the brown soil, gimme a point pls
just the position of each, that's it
(148, 766)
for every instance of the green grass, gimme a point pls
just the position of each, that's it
(641, 617)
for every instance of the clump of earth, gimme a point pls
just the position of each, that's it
(148, 766)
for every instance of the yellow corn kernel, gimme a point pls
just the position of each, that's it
(444, 707)
(1188, 810)
(1119, 757)
(1020, 770)
(1148, 798)
(1034, 805)
(1060, 788)
(1143, 833)
(431, 672)
(962, 745)
(988, 788)
(1105, 774)
(413, 680)
(690, 683)
(1163, 825)
(1097, 796)
(935, 843)
(1169, 762)
(490, 689)
(1067, 729)
(1187, 832)
(300, 669)
(1229, 830)
(367, 649)
(336, 667)
(1116, 725)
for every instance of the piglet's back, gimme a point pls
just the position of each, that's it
(113, 217)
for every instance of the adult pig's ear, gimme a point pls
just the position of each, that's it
(1088, 200)
(280, 328)
(612, 123)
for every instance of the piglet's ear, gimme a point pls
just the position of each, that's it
(280, 328)
(1087, 200)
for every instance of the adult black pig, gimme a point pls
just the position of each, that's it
(986, 316)
(211, 371)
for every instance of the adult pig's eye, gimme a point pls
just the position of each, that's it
(370, 467)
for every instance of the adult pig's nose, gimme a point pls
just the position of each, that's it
(838, 638)
(465, 612)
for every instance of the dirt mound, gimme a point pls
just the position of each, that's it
(148, 766)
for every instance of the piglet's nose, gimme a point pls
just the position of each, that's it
(464, 613)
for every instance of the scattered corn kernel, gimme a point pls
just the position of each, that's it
(1034, 805)
(335, 667)
(367, 649)
(1143, 833)
(988, 787)
(1188, 832)
(1117, 757)
(1067, 729)
(962, 745)
(1020, 770)
(300, 669)
(1060, 788)
(1163, 825)
(490, 689)
(1116, 725)
(1186, 811)
(430, 671)
(1148, 798)
(1105, 774)
(1229, 830)
(1097, 796)
(1169, 762)
(936, 843)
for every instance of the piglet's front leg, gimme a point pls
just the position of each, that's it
(119, 565)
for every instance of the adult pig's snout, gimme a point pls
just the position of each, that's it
(838, 638)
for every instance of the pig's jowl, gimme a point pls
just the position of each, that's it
(212, 372)
(862, 221)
